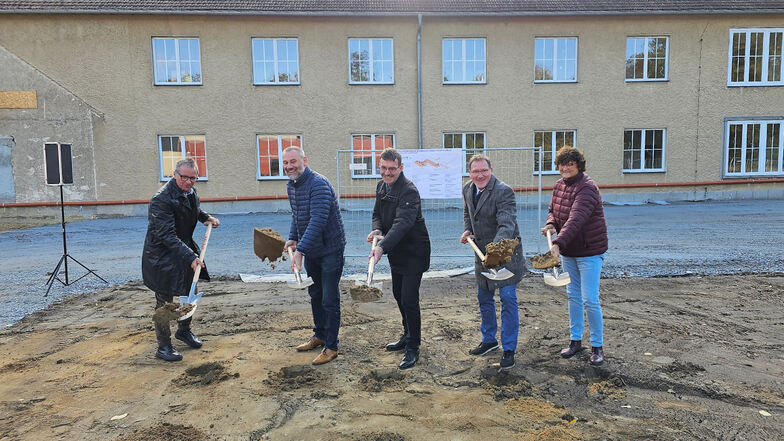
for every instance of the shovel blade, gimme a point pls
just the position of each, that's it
(561, 280)
(306, 282)
(498, 275)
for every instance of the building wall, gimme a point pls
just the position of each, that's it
(107, 62)
(56, 115)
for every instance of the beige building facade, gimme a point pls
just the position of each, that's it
(665, 106)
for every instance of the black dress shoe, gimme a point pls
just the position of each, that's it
(168, 353)
(188, 337)
(410, 359)
(398, 345)
(575, 346)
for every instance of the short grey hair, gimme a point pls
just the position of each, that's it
(190, 162)
(295, 148)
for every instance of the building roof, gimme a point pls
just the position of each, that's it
(394, 7)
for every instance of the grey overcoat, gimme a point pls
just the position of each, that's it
(494, 218)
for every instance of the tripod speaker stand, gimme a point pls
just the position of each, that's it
(59, 171)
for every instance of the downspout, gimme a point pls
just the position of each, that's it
(419, 78)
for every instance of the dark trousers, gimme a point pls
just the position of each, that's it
(163, 331)
(405, 288)
(325, 296)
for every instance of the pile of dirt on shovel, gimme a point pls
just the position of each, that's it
(364, 293)
(170, 311)
(498, 253)
(268, 244)
(545, 260)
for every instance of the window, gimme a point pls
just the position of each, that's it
(550, 141)
(176, 61)
(555, 60)
(270, 150)
(464, 61)
(174, 148)
(754, 148)
(470, 143)
(275, 61)
(643, 150)
(646, 58)
(370, 61)
(755, 57)
(366, 154)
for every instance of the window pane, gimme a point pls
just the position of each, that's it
(772, 147)
(752, 147)
(755, 56)
(268, 156)
(738, 56)
(774, 56)
(735, 144)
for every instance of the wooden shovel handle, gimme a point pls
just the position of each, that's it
(203, 251)
(372, 261)
(296, 270)
(549, 240)
(476, 248)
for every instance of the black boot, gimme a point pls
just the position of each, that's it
(168, 353)
(185, 335)
(597, 355)
(410, 359)
(398, 345)
(575, 346)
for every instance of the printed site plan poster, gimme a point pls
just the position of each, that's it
(437, 173)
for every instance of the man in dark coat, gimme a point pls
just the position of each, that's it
(318, 239)
(490, 214)
(397, 216)
(170, 255)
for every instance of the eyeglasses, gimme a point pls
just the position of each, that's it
(388, 169)
(187, 178)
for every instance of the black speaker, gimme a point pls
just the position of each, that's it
(58, 165)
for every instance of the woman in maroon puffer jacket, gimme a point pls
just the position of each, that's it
(577, 216)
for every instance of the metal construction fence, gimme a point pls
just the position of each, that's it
(357, 175)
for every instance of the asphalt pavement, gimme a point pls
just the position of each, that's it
(710, 237)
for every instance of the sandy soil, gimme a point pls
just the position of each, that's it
(687, 358)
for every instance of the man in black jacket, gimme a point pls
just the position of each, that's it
(397, 216)
(170, 255)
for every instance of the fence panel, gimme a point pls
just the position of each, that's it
(357, 176)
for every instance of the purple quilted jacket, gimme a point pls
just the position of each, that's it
(577, 214)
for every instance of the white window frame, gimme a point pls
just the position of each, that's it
(553, 149)
(282, 174)
(556, 61)
(202, 173)
(766, 58)
(275, 59)
(178, 60)
(764, 124)
(646, 59)
(463, 62)
(463, 142)
(372, 60)
(374, 153)
(645, 133)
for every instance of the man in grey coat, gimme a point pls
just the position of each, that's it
(489, 215)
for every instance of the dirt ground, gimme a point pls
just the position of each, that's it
(688, 358)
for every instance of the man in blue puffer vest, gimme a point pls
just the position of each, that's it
(318, 238)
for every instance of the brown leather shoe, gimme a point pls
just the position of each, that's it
(313, 343)
(325, 356)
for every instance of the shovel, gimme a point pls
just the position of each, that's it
(492, 274)
(557, 278)
(371, 265)
(298, 282)
(193, 298)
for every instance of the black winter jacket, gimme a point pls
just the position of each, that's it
(169, 248)
(398, 214)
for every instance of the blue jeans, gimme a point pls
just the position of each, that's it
(510, 323)
(583, 293)
(325, 296)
